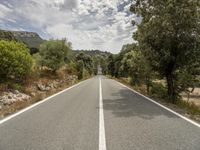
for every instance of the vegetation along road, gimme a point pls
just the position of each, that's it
(98, 113)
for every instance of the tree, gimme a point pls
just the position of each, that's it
(115, 61)
(137, 67)
(15, 62)
(85, 64)
(111, 65)
(169, 35)
(103, 63)
(80, 69)
(53, 53)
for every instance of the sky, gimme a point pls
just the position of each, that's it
(88, 24)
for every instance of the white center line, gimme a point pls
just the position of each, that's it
(102, 139)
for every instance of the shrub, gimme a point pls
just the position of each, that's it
(15, 62)
(53, 54)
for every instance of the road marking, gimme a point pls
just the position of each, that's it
(179, 115)
(38, 103)
(102, 139)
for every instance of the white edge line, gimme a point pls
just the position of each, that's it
(37, 103)
(179, 115)
(102, 139)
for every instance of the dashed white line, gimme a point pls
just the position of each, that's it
(102, 139)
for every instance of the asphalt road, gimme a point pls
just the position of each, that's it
(98, 114)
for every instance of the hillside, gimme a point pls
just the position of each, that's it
(92, 53)
(7, 35)
(31, 39)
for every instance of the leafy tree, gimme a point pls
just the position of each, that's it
(80, 69)
(85, 63)
(103, 63)
(137, 67)
(115, 61)
(111, 65)
(15, 62)
(169, 35)
(53, 53)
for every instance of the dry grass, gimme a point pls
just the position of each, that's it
(9, 109)
(29, 86)
(194, 97)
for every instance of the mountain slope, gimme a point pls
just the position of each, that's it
(31, 39)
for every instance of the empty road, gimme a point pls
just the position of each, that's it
(98, 114)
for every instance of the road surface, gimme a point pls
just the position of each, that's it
(98, 114)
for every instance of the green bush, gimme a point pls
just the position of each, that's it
(53, 54)
(15, 60)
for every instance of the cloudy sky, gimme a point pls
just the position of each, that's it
(88, 24)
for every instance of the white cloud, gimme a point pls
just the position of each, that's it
(4, 10)
(103, 24)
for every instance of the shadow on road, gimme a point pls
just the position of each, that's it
(125, 103)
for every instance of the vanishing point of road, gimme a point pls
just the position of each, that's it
(98, 114)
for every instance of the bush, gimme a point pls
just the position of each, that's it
(53, 54)
(15, 62)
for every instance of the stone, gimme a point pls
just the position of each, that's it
(16, 92)
(11, 97)
(41, 87)
(33, 94)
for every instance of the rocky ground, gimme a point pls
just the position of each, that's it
(8, 98)
(12, 100)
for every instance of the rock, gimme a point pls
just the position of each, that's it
(11, 97)
(75, 77)
(23, 97)
(0, 107)
(41, 87)
(33, 94)
(51, 85)
(16, 92)
(47, 88)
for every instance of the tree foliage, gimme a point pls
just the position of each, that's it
(15, 62)
(84, 65)
(137, 67)
(53, 54)
(169, 35)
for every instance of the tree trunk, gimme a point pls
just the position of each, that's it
(171, 88)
